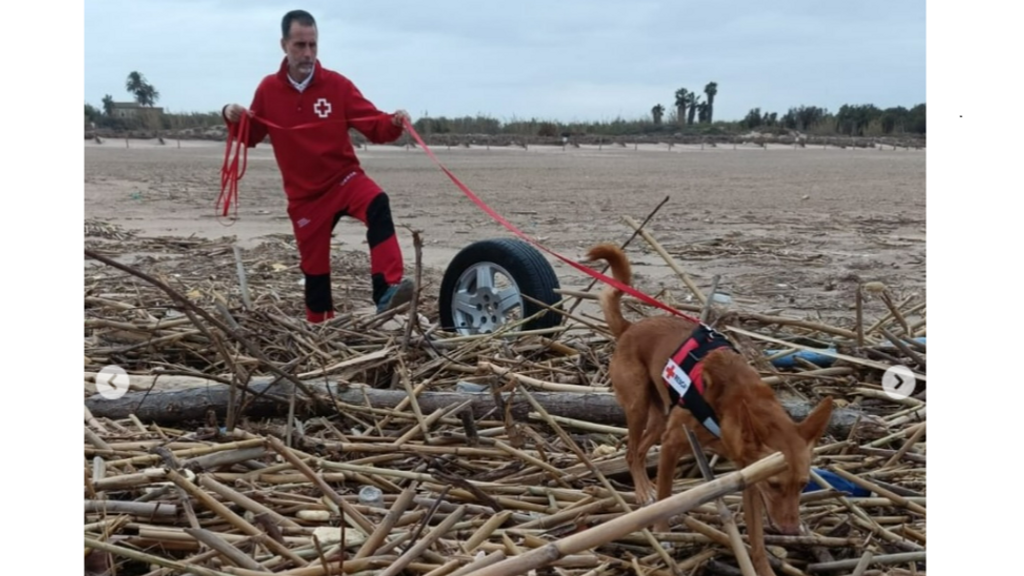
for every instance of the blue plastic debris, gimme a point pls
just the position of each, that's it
(838, 482)
(789, 360)
(824, 358)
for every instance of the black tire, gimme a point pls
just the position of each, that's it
(525, 265)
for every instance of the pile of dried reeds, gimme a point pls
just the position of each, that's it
(463, 480)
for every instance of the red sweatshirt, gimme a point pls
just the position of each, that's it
(312, 160)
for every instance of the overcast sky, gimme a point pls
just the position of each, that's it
(561, 60)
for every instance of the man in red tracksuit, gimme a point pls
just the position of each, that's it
(322, 176)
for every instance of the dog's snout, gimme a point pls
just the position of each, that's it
(790, 529)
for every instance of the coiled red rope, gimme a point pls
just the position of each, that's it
(238, 140)
(230, 173)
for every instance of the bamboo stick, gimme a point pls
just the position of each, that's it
(428, 540)
(837, 355)
(883, 560)
(235, 520)
(243, 501)
(906, 447)
(540, 384)
(867, 484)
(147, 509)
(637, 519)
(735, 541)
(360, 521)
(604, 481)
(150, 558)
(381, 532)
(225, 549)
(668, 259)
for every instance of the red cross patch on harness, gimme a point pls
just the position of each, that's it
(676, 377)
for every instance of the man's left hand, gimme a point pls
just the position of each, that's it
(400, 116)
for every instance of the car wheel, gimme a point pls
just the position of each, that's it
(483, 288)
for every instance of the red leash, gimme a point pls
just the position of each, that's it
(230, 175)
(490, 211)
(229, 171)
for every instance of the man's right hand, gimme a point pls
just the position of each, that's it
(234, 111)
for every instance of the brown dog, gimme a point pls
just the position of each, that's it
(732, 412)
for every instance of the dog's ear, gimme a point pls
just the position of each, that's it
(740, 437)
(814, 425)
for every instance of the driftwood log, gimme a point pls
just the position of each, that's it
(189, 399)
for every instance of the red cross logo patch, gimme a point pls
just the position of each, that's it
(675, 377)
(322, 108)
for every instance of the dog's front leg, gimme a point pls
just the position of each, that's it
(753, 514)
(674, 444)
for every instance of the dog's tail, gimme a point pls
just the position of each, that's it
(611, 298)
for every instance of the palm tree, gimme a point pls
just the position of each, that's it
(703, 112)
(134, 83)
(108, 105)
(693, 101)
(147, 96)
(145, 93)
(657, 112)
(711, 89)
(682, 99)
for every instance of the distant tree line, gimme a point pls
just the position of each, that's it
(693, 114)
(850, 120)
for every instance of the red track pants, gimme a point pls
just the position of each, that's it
(314, 219)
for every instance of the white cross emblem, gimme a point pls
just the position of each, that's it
(676, 378)
(322, 108)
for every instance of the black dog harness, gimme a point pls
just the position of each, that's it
(683, 374)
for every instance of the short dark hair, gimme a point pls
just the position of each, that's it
(301, 16)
